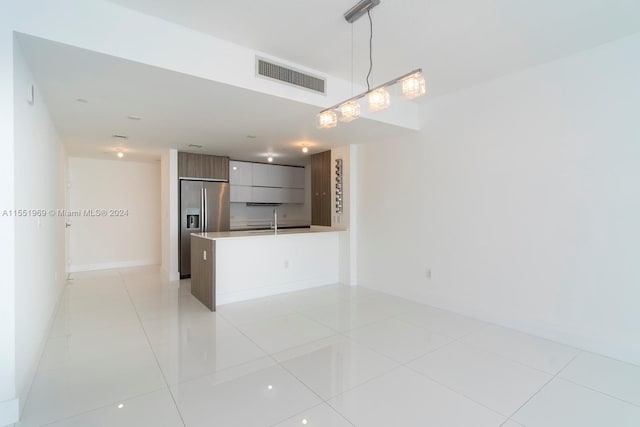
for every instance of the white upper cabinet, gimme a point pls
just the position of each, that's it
(295, 178)
(265, 175)
(263, 183)
(240, 173)
(277, 176)
(276, 195)
(240, 193)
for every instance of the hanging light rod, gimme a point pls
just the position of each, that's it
(360, 9)
(363, 94)
(413, 84)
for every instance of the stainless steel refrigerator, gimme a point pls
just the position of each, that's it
(204, 206)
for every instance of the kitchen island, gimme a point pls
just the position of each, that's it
(232, 266)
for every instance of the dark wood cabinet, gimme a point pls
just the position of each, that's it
(191, 165)
(203, 271)
(321, 188)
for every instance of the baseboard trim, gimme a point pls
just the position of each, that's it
(9, 411)
(112, 265)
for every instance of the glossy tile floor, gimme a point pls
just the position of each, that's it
(129, 349)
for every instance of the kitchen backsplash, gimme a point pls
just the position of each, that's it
(241, 214)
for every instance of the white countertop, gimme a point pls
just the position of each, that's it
(266, 233)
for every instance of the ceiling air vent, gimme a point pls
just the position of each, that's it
(283, 74)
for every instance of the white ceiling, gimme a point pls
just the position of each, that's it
(458, 43)
(176, 110)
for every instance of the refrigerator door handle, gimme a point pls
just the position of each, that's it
(206, 211)
(202, 226)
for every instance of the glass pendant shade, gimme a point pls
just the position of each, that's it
(413, 86)
(349, 111)
(379, 99)
(327, 119)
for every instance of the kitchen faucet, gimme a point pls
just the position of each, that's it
(275, 220)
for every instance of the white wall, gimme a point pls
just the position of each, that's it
(99, 242)
(169, 215)
(8, 402)
(522, 196)
(347, 219)
(39, 246)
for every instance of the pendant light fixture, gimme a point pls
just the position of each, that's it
(349, 111)
(327, 118)
(378, 98)
(413, 86)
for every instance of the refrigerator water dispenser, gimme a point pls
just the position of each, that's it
(193, 219)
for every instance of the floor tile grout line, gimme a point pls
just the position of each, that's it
(459, 341)
(323, 400)
(155, 356)
(310, 408)
(396, 365)
(271, 356)
(88, 411)
(400, 362)
(598, 391)
(504, 357)
(63, 295)
(543, 386)
(395, 316)
(455, 391)
(50, 370)
(395, 368)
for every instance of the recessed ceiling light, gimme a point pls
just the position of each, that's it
(195, 146)
(120, 136)
(120, 154)
(120, 406)
(82, 100)
(134, 117)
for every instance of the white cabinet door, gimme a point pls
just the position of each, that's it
(266, 183)
(240, 173)
(267, 195)
(295, 177)
(293, 195)
(263, 175)
(277, 195)
(277, 176)
(240, 193)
